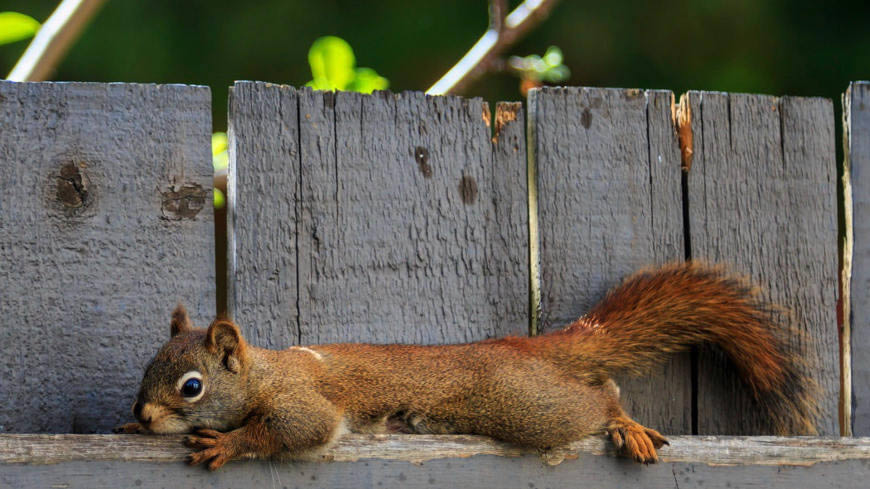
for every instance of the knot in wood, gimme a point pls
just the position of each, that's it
(73, 186)
(183, 202)
(421, 154)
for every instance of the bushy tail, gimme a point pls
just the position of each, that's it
(662, 311)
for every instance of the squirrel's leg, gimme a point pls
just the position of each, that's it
(289, 425)
(633, 439)
(630, 437)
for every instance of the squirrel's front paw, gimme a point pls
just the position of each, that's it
(213, 446)
(130, 428)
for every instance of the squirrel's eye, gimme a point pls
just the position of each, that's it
(190, 385)
(191, 388)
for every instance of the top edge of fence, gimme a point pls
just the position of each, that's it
(751, 94)
(103, 84)
(376, 93)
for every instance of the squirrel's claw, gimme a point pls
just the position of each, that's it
(207, 439)
(212, 448)
(636, 441)
(215, 457)
(657, 439)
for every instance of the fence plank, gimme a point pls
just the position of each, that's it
(105, 222)
(438, 461)
(263, 192)
(857, 150)
(403, 231)
(762, 196)
(609, 202)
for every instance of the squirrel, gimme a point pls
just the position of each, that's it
(541, 391)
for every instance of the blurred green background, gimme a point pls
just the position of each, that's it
(795, 47)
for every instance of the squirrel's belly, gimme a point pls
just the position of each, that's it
(403, 422)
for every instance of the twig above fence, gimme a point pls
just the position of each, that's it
(503, 32)
(54, 39)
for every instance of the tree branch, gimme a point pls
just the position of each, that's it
(502, 33)
(53, 40)
(497, 13)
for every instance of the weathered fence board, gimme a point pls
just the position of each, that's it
(403, 461)
(609, 202)
(263, 141)
(105, 222)
(762, 197)
(857, 182)
(403, 219)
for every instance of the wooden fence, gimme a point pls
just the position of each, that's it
(407, 218)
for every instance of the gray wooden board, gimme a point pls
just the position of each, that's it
(480, 472)
(858, 152)
(105, 223)
(408, 223)
(383, 461)
(609, 202)
(762, 198)
(262, 192)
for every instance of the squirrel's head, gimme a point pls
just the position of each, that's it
(196, 380)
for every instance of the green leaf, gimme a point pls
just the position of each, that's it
(219, 158)
(553, 56)
(557, 74)
(220, 161)
(332, 63)
(368, 80)
(219, 200)
(218, 143)
(15, 27)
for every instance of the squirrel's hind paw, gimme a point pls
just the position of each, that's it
(636, 441)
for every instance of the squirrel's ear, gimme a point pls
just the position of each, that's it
(180, 321)
(224, 338)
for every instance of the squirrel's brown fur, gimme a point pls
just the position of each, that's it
(543, 391)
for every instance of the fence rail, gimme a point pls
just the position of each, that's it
(409, 218)
(97, 461)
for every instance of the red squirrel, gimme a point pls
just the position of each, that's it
(541, 391)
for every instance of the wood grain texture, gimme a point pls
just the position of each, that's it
(480, 472)
(263, 195)
(609, 202)
(36, 449)
(762, 197)
(409, 224)
(105, 223)
(438, 461)
(857, 150)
